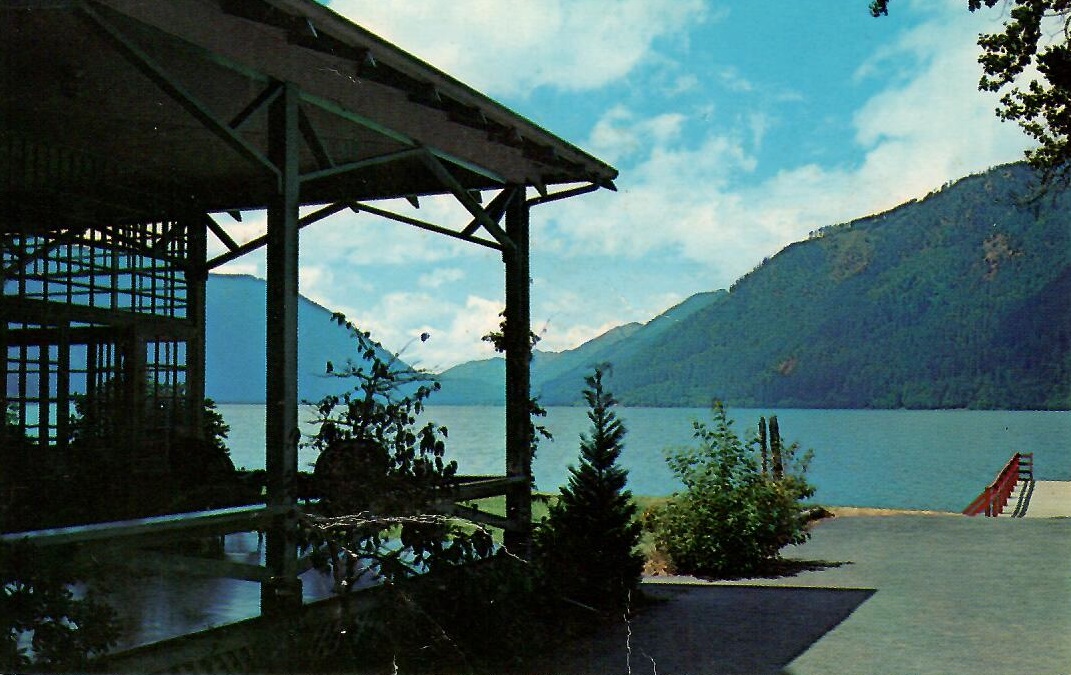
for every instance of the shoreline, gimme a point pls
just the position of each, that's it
(860, 511)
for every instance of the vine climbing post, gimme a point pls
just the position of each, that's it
(518, 346)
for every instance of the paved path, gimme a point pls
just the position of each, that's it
(1050, 499)
(908, 594)
(953, 595)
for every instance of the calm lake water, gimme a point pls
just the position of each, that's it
(937, 460)
(886, 458)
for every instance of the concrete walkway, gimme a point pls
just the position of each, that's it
(905, 594)
(953, 595)
(1050, 499)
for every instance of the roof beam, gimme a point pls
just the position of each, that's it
(312, 139)
(424, 225)
(264, 98)
(496, 209)
(220, 233)
(140, 60)
(360, 120)
(564, 194)
(254, 244)
(399, 156)
(463, 196)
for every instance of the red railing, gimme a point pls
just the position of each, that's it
(995, 497)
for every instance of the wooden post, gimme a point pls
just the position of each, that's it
(196, 299)
(282, 594)
(4, 375)
(517, 339)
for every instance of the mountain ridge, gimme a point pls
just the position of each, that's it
(956, 300)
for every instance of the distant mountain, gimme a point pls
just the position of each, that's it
(961, 299)
(483, 382)
(236, 349)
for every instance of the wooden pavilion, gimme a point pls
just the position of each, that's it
(130, 129)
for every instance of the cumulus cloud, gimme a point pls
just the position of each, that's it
(701, 199)
(510, 48)
(440, 277)
(454, 328)
(686, 196)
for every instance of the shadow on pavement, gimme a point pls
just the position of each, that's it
(698, 629)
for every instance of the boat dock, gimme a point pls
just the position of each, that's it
(1048, 499)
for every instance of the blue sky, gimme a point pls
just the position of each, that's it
(737, 126)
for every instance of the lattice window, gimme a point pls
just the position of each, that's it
(85, 308)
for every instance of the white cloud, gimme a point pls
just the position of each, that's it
(454, 329)
(510, 48)
(689, 198)
(692, 190)
(620, 133)
(575, 335)
(244, 267)
(440, 277)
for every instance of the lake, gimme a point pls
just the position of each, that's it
(936, 460)
(912, 459)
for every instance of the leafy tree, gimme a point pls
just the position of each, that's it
(1040, 106)
(587, 545)
(731, 519)
(380, 476)
(195, 468)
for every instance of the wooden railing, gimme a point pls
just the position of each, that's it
(995, 497)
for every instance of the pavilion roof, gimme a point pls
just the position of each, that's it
(130, 109)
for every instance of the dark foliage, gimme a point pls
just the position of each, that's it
(587, 545)
(731, 519)
(50, 621)
(490, 617)
(92, 479)
(1041, 106)
(447, 603)
(380, 476)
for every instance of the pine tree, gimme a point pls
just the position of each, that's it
(587, 545)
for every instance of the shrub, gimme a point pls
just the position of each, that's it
(49, 623)
(732, 519)
(587, 546)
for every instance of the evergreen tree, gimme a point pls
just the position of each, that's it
(587, 545)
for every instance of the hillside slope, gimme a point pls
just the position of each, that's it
(559, 376)
(961, 299)
(958, 300)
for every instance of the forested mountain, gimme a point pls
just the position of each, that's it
(961, 299)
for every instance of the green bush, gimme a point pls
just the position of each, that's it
(733, 518)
